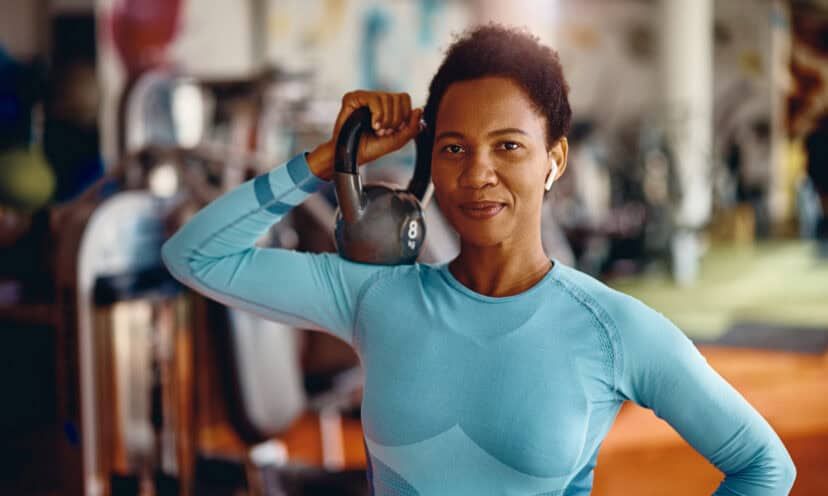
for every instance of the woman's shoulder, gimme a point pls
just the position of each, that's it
(367, 275)
(632, 327)
(613, 308)
(594, 292)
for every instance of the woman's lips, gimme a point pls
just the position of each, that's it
(481, 210)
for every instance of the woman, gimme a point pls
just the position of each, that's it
(502, 371)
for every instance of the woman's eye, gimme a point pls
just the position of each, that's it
(510, 145)
(453, 149)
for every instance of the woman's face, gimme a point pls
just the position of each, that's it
(490, 161)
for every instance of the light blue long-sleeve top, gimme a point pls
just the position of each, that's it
(467, 394)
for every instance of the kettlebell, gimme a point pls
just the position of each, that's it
(377, 224)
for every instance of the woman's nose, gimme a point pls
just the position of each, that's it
(478, 172)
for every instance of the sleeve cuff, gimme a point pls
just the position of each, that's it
(286, 186)
(301, 175)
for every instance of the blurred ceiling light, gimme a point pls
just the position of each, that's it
(163, 180)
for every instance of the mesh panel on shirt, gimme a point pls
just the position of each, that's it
(386, 482)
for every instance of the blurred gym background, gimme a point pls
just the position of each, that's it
(698, 182)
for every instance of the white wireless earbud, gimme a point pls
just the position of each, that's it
(551, 177)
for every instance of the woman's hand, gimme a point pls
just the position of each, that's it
(393, 121)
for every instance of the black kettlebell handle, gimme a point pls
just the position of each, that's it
(347, 180)
(347, 143)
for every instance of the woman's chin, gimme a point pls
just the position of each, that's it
(481, 236)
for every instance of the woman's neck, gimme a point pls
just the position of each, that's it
(500, 270)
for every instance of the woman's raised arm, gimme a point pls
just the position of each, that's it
(214, 254)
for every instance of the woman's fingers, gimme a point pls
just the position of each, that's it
(374, 147)
(393, 121)
(406, 130)
(405, 100)
(397, 112)
(412, 124)
(357, 99)
(387, 111)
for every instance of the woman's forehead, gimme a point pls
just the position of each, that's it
(481, 106)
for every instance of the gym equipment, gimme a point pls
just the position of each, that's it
(376, 224)
(125, 349)
(256, 362)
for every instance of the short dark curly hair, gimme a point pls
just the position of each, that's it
(496, 50)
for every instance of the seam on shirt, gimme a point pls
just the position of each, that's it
(355, 338)
(603, 320)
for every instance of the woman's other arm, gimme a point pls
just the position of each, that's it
(662, 369)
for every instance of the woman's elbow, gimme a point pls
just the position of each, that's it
(770, 471)
(175, 258)
(779, 467)
(788, 470)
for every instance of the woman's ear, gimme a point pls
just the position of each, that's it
(557, 155)
(560, 152)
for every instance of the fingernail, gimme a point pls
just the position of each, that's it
(376, 125)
